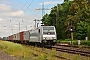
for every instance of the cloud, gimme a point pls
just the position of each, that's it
(0, 19)
(9, 11)
(16, 13)
(5, 1)
(10, 16)
(5, 8)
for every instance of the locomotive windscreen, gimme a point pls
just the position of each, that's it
(48, 30)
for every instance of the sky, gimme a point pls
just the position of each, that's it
(19, 15)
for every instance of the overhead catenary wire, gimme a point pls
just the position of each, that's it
(25, 10)
(27, 7)
(23, 6)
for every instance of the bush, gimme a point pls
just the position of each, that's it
(88, 33)
(83, 42)
(86, 43)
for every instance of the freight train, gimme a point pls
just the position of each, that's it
(43, 35)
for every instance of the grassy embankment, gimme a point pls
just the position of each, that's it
(75, 42)
(34, 53)
(27, 52)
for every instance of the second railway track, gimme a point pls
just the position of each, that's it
(73, 50)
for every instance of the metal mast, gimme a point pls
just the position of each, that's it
(42, 9)
(57, 15)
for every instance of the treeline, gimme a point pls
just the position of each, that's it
(73, 15)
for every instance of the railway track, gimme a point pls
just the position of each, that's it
(73, 50)
(58, 56)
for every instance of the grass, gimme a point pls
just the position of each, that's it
(32, 53)
(15, 49)
(11, 48)
(27, 52)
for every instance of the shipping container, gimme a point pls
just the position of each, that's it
(8, 38)
(5, 38)
(18, 36)
(26, 35)
(15, 37)
(22, 35)
(11, 37)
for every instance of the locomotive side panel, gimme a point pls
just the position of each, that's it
(34, 36)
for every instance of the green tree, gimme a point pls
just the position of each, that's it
(88, 32)
(45, 19)
(81, 30)
(79, 11)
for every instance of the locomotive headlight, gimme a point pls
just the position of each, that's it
(44, 38)
(54, 37)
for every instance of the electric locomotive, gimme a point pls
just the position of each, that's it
(45, 35)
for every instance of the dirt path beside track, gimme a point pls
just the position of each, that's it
(4, 56)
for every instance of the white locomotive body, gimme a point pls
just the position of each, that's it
(43, 35)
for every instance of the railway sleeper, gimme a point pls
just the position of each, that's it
(85, 54)
(74, 52)
(63, 49)
(71, 52)
(83, 51)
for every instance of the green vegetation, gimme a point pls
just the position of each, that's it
(34, 53)
(88, 33)
(75, 42)
(73, 15)
(27, 52)
(81, 30)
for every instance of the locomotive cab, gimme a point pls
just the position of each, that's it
(48, 35)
